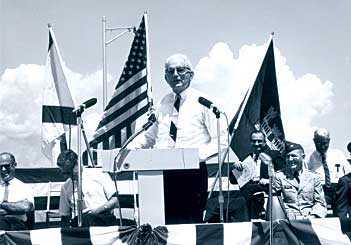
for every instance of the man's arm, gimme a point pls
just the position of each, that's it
(319, 208)
(20, 207)
(112, 203)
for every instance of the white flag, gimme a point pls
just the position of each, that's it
(57, 116)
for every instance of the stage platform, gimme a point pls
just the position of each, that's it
(314, 231)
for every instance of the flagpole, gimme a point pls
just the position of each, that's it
(148, 65)
(270, 174)
(104, 55)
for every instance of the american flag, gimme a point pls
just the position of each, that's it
(130, 99)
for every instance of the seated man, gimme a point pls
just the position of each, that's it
(17, 197)
(98, 194)
(252, 190)
(334, 170)
(301, 189)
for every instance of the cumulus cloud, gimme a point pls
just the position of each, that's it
(21, 96)
(227, 78)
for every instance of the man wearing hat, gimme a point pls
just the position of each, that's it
(301, 189)
(16, 198)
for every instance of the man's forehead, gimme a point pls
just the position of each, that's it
(321, 138)
(296, 152)
(257, 135)
(177, 61)
(6, 159)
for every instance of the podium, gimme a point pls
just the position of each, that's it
(150, 164)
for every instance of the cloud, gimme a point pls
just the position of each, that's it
(227, 78)
(20, 111)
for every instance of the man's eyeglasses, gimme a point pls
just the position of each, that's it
(5, 167)
(321, 143)
(180, 70)
(256, 141)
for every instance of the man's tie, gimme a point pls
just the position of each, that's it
(326, 170)
(174, 122)
(6, 192)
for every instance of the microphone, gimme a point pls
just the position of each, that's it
(205, 102)
(150, 121)
(85, 105)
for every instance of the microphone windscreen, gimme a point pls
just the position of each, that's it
(90, 102)
(205, 102)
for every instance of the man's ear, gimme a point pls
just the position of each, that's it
(191, 74)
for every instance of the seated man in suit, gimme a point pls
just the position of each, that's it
(301, 189)
(17, 197)
(252, 191)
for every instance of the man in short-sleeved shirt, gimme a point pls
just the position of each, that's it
(98, 193)
(16, 198)
(338, 189)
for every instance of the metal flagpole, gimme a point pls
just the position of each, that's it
(104, 60)
(104, 63)
(80, 168)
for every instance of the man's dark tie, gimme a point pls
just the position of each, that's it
(326, 170)
(6, 192)
(174, 121)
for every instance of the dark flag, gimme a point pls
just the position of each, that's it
(260, 110)
(129, 100)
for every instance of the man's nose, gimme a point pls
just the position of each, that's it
(175, 72)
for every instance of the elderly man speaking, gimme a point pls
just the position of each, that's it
(183, 123)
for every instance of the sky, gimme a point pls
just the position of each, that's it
(224, 40)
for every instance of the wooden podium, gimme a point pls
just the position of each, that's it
(150, 164)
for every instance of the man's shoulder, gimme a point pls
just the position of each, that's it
(311, 175)
(16, 181)
(335, 151)
(312, 157)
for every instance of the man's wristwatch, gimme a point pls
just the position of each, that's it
(105, 208)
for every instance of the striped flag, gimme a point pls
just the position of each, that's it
(130, 98)
(314, 231)
(57, 116)
(260, 109)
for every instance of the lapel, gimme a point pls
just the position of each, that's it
(292, 181)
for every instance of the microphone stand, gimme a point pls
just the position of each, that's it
(151, 120)
(79, 187)
(270, 202)
(80, 132)
(220, 197)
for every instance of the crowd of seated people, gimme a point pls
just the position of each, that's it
(306, 186)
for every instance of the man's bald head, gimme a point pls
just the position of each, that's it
(321, 140)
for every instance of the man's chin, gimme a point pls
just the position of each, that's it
(6, 178)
